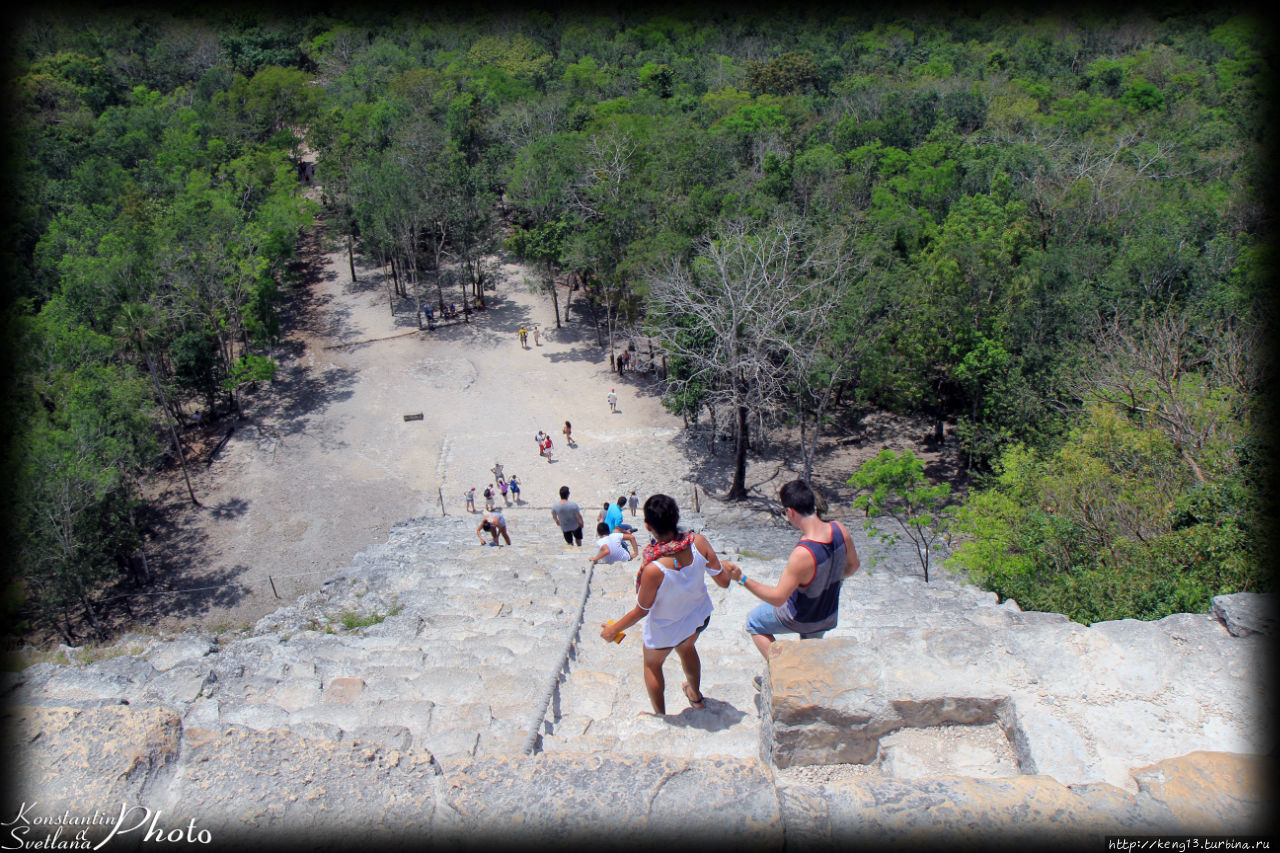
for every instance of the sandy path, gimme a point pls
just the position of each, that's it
(325, 463)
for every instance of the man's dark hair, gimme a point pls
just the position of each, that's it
(602, 529)
(798, 496)
(564, 493)
(622, 500)
(662, 514)
(486, 526)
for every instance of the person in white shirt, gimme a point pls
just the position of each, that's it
(610, 544)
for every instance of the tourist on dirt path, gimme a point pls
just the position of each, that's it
(671, 590)
(604, 510)
(493, 524)
(546, 447)
(806, 599)
(497, 471)
(612, 547)
(502, 487)
(470, 495)
(568, 434)
(514, 485)
(613, 400)
(524, 337)
(569, 517)
(536, 332)
(488, 497)
(624, 360)
(633, 502)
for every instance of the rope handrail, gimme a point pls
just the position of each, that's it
(531, 740)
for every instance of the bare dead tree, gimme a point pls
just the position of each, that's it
(1191, 382)
(606, 164)
(738, 314)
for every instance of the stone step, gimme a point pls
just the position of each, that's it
(463, 641)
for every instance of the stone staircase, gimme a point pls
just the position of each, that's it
(436, 656)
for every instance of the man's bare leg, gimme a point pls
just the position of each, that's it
(653, 679)
(763, 642)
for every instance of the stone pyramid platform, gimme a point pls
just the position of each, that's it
(439, 690)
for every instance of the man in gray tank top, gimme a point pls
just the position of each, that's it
(806, 599)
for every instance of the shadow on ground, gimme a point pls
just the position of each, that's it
(716, 716)
(841, 450)
(176, 550)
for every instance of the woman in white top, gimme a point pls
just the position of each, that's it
(671, 591)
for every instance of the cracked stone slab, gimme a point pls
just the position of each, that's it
(1245, 613)
(1082, 705)
(96, 757)
(1203, 793)
(186, 649)
(247, 786)
(567, 799)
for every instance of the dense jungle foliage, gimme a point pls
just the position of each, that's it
(1046, 231)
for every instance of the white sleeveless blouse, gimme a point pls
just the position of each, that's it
(680, 606)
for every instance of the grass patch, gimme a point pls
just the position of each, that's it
(748, 554)
(18, 661)
(94, 654)
(352, 620)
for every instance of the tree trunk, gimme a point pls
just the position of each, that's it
(806, 455)
(417, 297)
(595, 321)
(94, 622)
(413, 277)
(173, 432)
(738, 490)
(64, 628)
(568, 295)
(551, 285)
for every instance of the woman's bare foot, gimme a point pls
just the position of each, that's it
(688, 693)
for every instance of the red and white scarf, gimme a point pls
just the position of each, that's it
(670, 548)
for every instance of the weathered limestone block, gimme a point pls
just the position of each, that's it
(1214, 793)
(568, 799)
(885, 813)
(67, 759)
(73, 682)
(1082, 705)
(185, 649)
(179, 685)
(829, 704)
(343, 689)
(1245, 613)
(252, 786)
